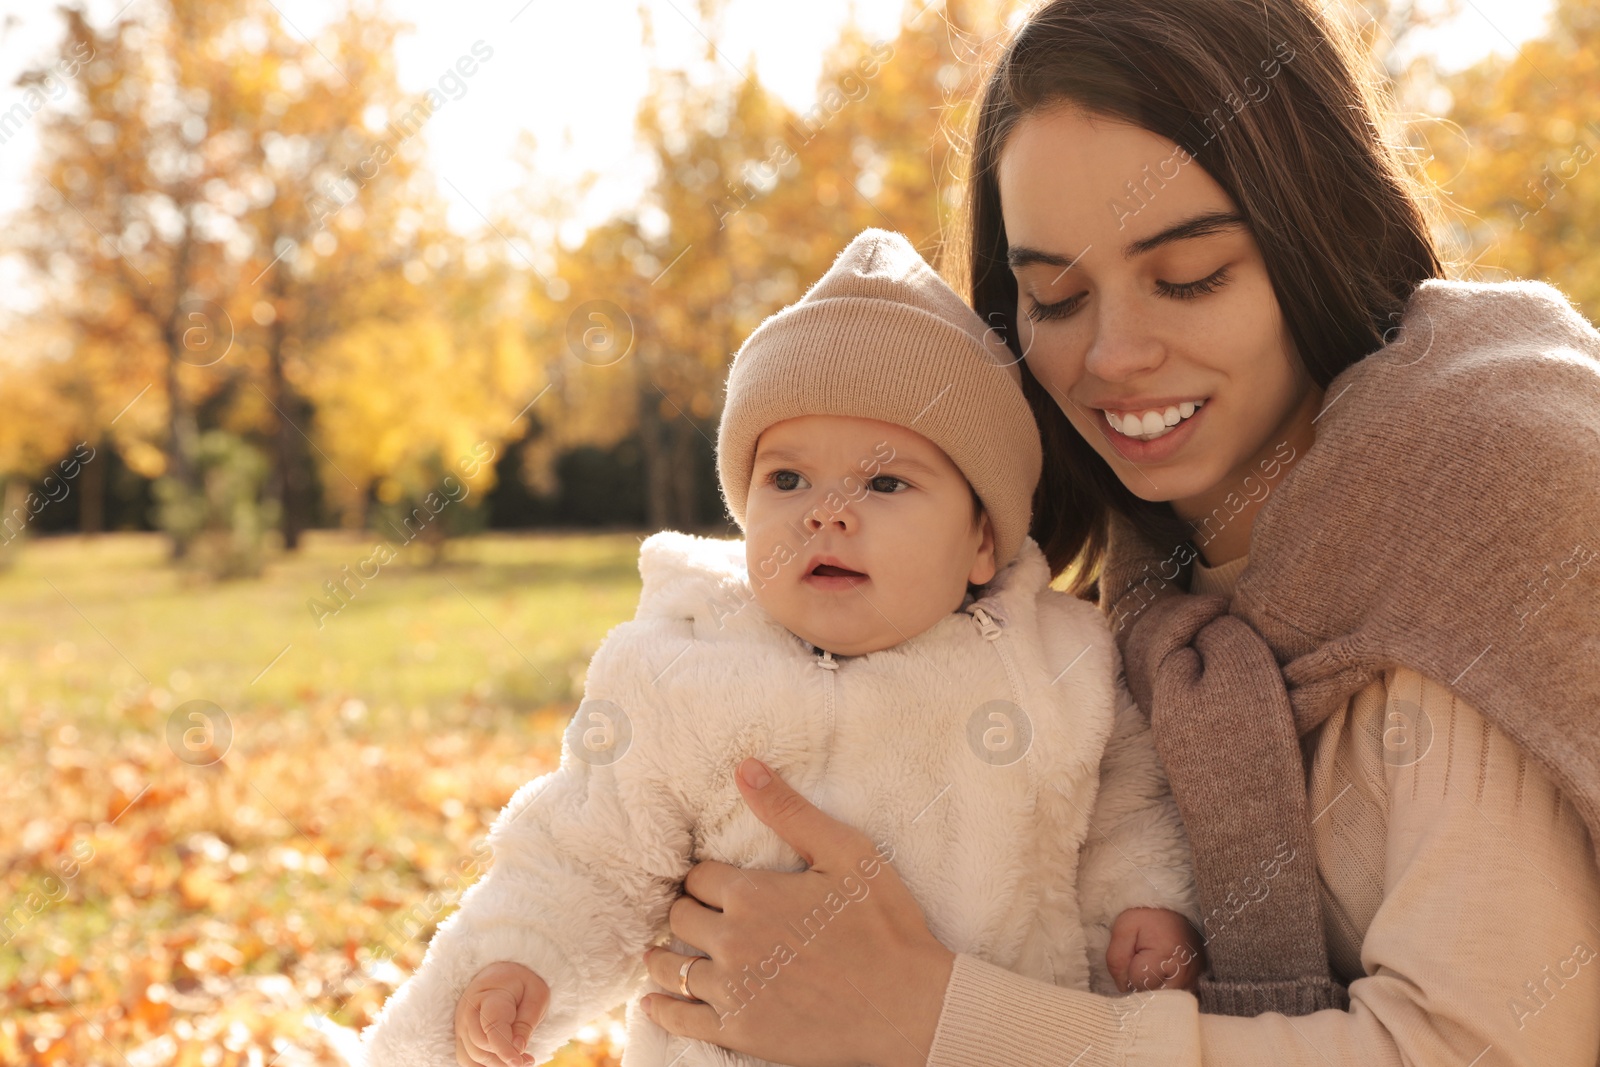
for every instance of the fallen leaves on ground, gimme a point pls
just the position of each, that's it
(257, 911)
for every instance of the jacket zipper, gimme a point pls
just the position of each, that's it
(829, 666)
(992, 632)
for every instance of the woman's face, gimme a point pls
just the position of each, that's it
(1141, 290)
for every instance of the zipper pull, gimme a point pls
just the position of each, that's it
(986, 623)
(827, 662)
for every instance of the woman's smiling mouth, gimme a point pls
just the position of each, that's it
(1151, 424)
(1164, 439)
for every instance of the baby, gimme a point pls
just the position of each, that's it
(885, 638)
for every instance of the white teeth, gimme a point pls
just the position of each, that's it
(1152, 424)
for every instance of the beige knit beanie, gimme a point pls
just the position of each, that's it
(881, 336)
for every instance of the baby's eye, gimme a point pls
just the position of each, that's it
(785, 480)
(886, 483)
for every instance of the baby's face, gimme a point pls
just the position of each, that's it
(859, 534)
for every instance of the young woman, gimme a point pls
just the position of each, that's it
(1341, 514)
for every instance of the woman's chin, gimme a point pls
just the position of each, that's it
(1164, 485)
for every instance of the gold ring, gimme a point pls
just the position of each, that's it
(683, 976)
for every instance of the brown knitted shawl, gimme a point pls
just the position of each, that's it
(1446, 519)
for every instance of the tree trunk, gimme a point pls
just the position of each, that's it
(290, 461)
(654, 451)
(92, 492)
(686, 440)
(655, 446)
(182, 431)
(181, 435)
(13, 513)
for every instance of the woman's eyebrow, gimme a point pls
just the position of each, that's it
(1019, 256)
(1203, 225)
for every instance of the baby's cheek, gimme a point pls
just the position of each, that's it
(773, 601)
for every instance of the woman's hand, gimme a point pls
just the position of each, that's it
(833, 966)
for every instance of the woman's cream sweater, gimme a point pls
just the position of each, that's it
(1460, 901)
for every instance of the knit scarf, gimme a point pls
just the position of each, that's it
(1446, 519)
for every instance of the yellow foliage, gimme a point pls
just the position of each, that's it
(1522, 188)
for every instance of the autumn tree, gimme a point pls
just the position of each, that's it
(226, 215)
(751, 201)
(343, 205)
(1521, 182)
(407, 399)
(122, 222)
(45, 408)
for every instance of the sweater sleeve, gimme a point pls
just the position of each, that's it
(1482, 949)
(1135, 854)
(587, 861)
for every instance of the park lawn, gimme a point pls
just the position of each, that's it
(167, 910)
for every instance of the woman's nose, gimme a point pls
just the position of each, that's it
(1124, 347)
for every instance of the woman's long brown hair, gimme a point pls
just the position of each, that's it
(1267, 97)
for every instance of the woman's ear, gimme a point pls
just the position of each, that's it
(983, 567)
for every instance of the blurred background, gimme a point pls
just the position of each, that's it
(349, 352)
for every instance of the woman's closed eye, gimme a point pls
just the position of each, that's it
(1189, 290)
(1039, 311)
(1060, 309)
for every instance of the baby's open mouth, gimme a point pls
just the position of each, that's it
(828, 570)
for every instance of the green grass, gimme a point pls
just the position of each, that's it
(501, 620)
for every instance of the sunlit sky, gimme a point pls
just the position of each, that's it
(571, 72)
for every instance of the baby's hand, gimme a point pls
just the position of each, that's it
(496, 1014)
(1153, 948)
